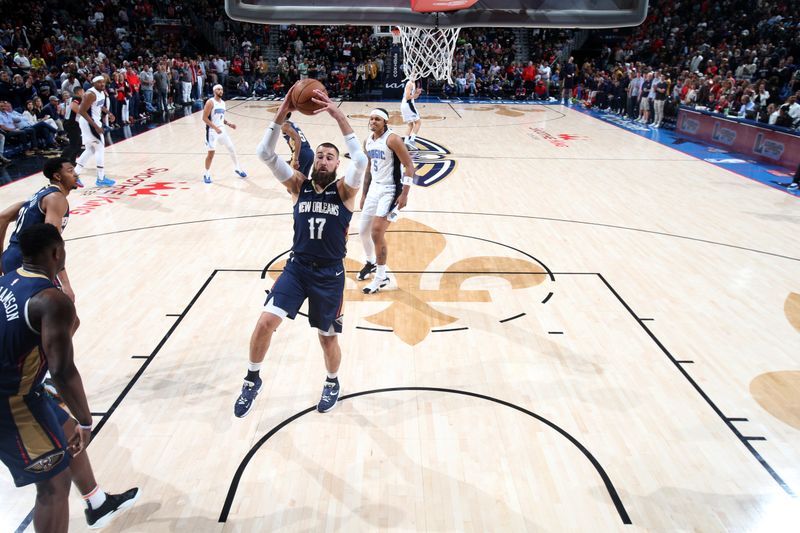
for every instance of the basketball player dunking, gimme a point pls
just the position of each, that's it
(408, 109)
(214, 118)
(323, 207)
(90, 120)
(389, 176)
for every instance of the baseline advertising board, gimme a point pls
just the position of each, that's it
(765, 144)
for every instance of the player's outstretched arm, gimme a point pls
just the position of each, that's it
(355, 173)
(55, 315)
(290, 178)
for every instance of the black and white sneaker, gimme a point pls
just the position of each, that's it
(368, 269)
(114, 505)
(376, 285)
(330, 395)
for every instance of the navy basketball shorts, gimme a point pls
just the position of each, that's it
(32, 441)
(323, 286)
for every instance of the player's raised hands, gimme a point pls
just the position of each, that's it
(326, 104)
(287, 106)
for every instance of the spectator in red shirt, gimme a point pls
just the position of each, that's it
(134, 84)
(236, 66)
(529, 76)
(277, 87)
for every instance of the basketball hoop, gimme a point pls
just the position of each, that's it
(428, 51)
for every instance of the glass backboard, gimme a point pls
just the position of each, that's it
(486, 13)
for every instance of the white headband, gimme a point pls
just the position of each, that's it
(379, 113)
(98, 78)
(215, 87)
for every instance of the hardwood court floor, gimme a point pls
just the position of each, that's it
(586, 328)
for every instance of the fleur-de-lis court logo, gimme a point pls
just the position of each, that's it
(411, 313)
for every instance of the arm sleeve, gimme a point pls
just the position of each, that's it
(266, 153)
(355, 173)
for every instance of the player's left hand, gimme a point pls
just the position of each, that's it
(325, 101)
(402, 200)
(231, 125)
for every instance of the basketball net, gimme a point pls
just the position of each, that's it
(428, 52)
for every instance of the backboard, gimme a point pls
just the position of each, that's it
(485, 13)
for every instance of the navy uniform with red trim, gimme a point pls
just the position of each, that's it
(30, 214)
(316, 269)
(32, 440)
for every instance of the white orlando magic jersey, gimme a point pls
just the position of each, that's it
(413, 86)
(97, 106)
(385, 168)
(218, 113)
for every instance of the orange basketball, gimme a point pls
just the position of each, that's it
(303, 92)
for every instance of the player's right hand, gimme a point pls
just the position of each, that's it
(217, 130)
(98, 129)
(79, 440)
(288, 102)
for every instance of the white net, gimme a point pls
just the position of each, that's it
(428, 51)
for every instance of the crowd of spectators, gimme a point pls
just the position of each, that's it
(735, 57)
(349, 60)
(48, 50)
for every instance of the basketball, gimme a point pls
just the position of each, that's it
(303, 92)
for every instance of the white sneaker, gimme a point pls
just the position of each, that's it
(376, 285)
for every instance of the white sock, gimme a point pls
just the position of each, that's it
(254, 367)
(95, 498)
(412, 137)
(333, 375)
(381, 272)
(101, 173)
(371, 259)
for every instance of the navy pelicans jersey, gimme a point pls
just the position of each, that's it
(22, 363)
(320, 224)
(32, 213)
(385, 169)
(304, 145)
